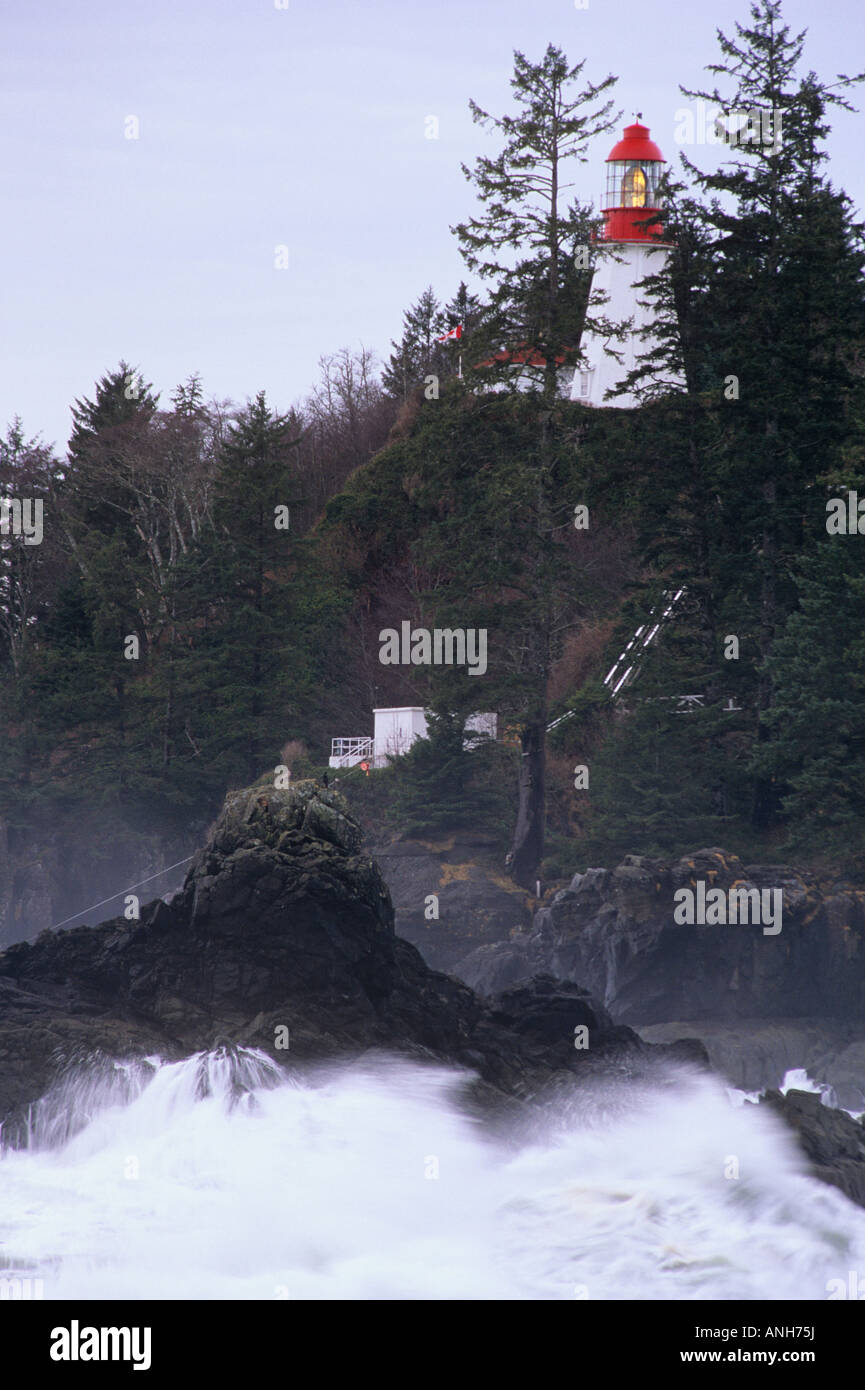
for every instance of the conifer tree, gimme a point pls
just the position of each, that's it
(523, 241)
(432, 787)
(454, 508)
(418, 353)
(28, 570)
(784, 314)
(465, 308)
(122, 408)
(817, 665)
(247, 671)
(761, 308)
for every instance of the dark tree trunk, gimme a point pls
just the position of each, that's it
(765, 803)
(527, 849)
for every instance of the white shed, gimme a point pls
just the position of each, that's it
(395, 731)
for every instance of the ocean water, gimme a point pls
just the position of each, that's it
(224, 1177)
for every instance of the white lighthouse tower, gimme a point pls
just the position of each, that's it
(628, 249)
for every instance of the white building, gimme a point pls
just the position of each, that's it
(627, 251)
(395, 730)
(525, 371)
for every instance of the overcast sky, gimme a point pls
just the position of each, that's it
(301, 126)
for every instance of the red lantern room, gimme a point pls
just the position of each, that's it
(633, 175)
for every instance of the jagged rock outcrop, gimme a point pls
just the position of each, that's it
(614, 931)
(283, 923)
(549, 1012)
(833, 1142)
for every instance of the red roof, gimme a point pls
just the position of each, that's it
(635, 144)
(522, 355)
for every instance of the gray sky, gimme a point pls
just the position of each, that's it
(303, 126)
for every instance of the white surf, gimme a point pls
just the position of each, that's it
(220, 1177)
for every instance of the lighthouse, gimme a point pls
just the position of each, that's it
(629, 247)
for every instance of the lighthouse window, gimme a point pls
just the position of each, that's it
(634, 188)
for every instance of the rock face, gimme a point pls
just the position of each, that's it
(756, 1054)
(833, 1142)
(283, 923)
(614, 931)
(477, 904)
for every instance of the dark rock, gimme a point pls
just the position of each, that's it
(688, 1051)
(614, 931)
(833, 1142)
(549, 1011)
(282, 922)
(478, 905)
(492, 968)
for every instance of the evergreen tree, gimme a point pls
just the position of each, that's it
(467, 312)
(113, 421)
(670, 772)
(246, 674)
(28, 565)
(782, 320)
(466, 309)
(130, 504)
(438, 785)
(525, 238)
(523, 242)
(761, 308)
(454, 511)
(817, 664)
(418, 353)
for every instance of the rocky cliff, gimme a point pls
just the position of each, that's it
(451, 895)
(614, 930)
(282, 936)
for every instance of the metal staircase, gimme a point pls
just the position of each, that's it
(624, 670)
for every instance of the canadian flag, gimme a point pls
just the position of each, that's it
(452, 333)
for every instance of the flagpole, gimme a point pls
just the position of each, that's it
(455, 333)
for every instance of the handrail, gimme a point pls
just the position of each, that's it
(638, 644)
(351, 750)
